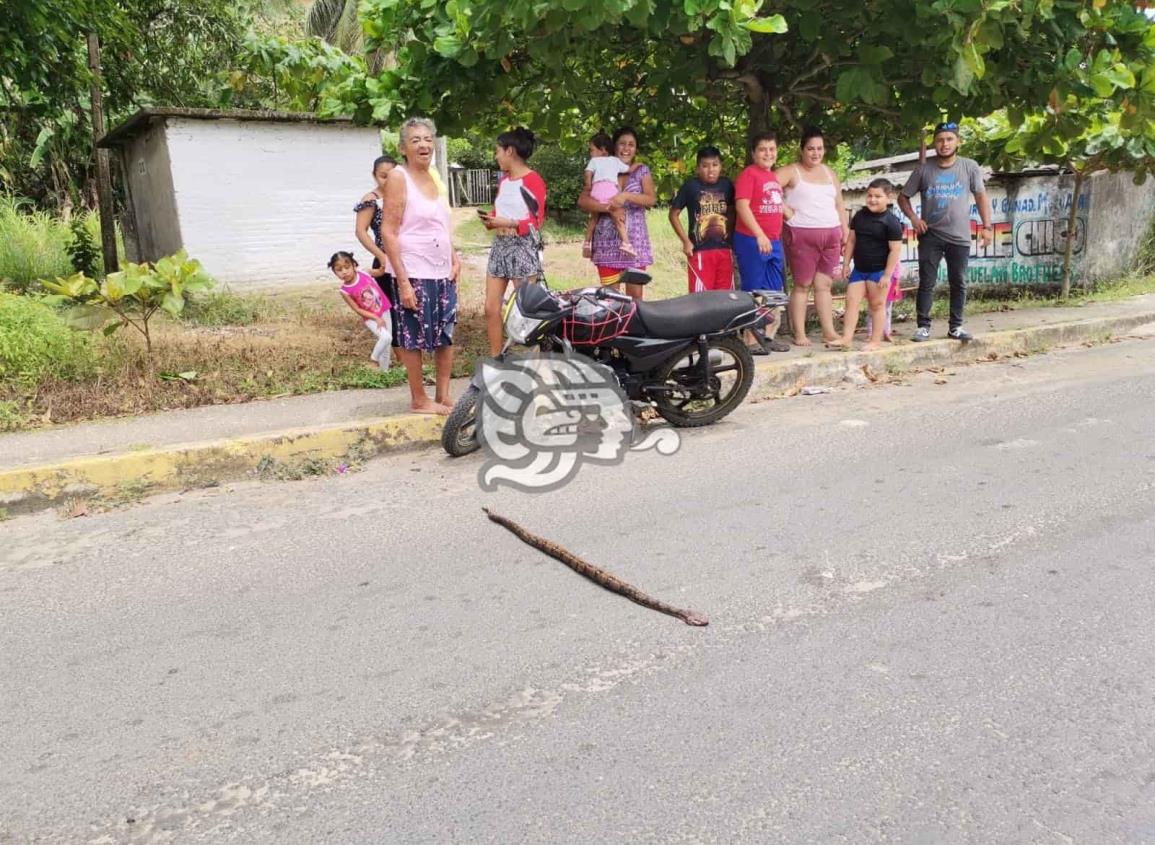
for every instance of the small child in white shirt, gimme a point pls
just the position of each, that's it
(601, 177)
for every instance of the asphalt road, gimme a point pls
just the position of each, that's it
(931, 622)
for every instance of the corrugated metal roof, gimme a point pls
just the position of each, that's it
(899, 177)
(886, 163)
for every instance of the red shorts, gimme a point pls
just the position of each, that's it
(609, 275)
(812, 251)
(710, 269)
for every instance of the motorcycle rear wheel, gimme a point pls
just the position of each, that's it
(459, 436)
(730, 381)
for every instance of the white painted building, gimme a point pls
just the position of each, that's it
(260, 198)
(1030, 213)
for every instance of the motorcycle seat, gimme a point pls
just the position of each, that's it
(694, 314)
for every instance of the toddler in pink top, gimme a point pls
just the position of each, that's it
(362, 293)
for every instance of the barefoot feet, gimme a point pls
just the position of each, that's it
(430, 407)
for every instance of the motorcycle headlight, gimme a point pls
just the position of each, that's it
(518, 327)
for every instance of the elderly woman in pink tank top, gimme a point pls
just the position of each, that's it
(813, 238)
(416, 233)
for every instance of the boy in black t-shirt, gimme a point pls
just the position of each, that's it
(875, 243)
(710, 198)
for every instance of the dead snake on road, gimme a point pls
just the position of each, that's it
(598, 576)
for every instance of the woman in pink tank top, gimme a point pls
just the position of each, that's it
(417, 237)
(813, 238)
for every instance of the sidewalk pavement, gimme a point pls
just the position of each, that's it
(200, 447)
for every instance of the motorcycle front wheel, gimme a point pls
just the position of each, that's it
(459, 436)
(688, 403)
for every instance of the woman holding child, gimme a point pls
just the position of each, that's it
(417, 238)
(814, 236)
(636, 195)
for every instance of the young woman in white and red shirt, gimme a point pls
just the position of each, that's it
(518, 212)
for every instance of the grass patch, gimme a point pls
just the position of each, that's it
(36, 344)
(12, 417)
(225, 308)
(33, 245)
(982, 300)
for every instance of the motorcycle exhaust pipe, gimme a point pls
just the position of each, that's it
(716, 358)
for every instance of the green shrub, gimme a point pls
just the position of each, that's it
(36, 343)
(83, 252)
(131, 296)
(563, 177)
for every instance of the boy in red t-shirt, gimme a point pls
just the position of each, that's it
(757, 235)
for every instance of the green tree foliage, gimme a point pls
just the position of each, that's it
(337, 23)
(562, 173)
(684, 71)
(154, 52)
(1100, 112)
(297, 75)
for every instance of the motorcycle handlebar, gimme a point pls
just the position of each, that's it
(606, 293)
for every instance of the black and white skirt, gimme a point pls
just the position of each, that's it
(515, 256)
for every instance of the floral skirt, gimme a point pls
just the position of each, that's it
(430, 325)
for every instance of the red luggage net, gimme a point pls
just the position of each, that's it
(591, 322)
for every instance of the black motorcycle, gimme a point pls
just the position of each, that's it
(684, 357)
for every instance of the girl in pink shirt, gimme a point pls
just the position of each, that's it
(362, 293)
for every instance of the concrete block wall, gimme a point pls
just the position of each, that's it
(1030, 216)
(265, 204)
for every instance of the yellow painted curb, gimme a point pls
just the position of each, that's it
(294, 453)
(185, 466)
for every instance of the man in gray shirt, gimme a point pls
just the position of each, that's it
(944, 227)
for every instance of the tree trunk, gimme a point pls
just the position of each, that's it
(1065, 291)
(103, 178)
(757, 107)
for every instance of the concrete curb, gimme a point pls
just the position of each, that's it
(776, 378)
(296, 453)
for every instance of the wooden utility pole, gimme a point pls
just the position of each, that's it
(103, 178)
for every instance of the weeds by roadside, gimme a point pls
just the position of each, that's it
(225, 308)
(231, 347)
(35, 245)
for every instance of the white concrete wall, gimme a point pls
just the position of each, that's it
(1030, 215)
(266, 204)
